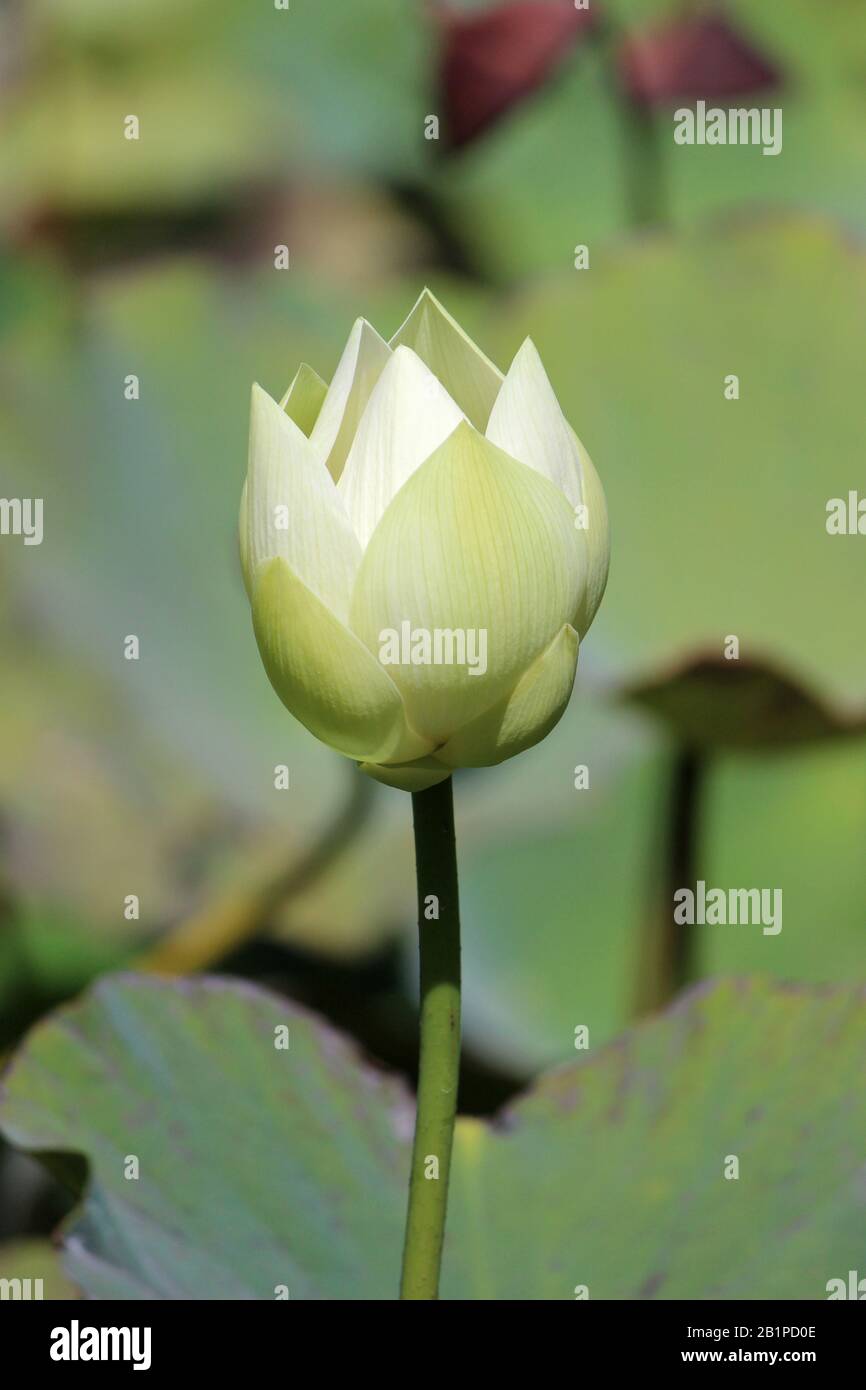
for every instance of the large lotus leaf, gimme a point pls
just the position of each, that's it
(258, 1163)
(716, 704)
(719, 505)
(611, 1174)
(263, 1171)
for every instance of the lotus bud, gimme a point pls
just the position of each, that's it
(424, 544)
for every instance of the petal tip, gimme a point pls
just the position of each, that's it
(260, 399)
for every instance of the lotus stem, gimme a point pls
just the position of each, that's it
(641, 154)
(643, 165)
(439, 1052)
(668, 961)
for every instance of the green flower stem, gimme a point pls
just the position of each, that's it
(644, 165)
(668, 959)
(642, 156)
(439, 1057)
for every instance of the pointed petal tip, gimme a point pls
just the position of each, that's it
(406, 358)
(427, 300)
(260, 399)
(362, 328)
(469, 377)
(363, 325)
(527, 358)
(264, 405)
(527, 349)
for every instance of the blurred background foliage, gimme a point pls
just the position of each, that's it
(305, 127)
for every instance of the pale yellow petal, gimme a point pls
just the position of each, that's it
(527, 422)
(469, 377)
(304, 398)
(362, 363)
(524, 717)
(292, 508)
(408, 416)
(324, 675)
(597, 540)
(477, 550)
(408, 777)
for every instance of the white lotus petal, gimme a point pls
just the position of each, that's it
(408, 777)
(523, 717)
(469, 377)
(324, 675)
(362, 363)
(304, 398)
(528, 423)
(597, 540)
(293, 511)
(407, 417)
(482, 551)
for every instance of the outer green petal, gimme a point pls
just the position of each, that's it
(468, 376)
(473, 541)
(362, 363)
(597, 540)
(315, 534)
(528, 423)
(304, 399)
(526, 716)
(407, 417)
(408, 777)
(324, 675)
